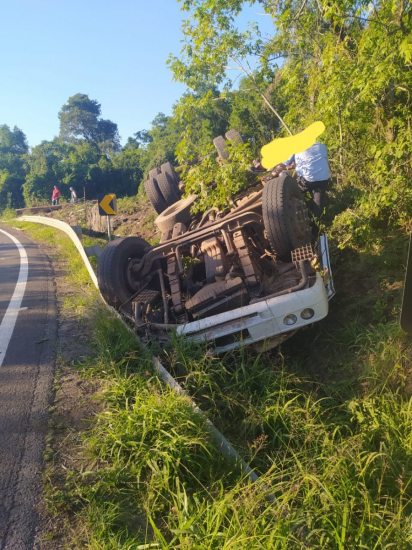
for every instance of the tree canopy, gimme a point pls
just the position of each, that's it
(345, 62)
(79, 120)
(13, 148)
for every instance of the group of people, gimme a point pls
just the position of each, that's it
(56, 195)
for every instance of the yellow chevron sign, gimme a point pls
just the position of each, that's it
(107, 205)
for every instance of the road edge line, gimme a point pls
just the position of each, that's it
(13, 309)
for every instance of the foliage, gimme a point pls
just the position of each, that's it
(333, 450)
(158, 144)
(216, 183)
(327, 423)
(45, 168)
(346, 63)
(201, 117)
(79, 119)
(13, 148)
(87, 157)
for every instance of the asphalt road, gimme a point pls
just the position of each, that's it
(28, 328)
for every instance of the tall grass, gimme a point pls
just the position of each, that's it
(326, 421)
(327, 424)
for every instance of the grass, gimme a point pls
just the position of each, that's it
(326, 422)
(60, 246)
(139, 203)
(127, 205)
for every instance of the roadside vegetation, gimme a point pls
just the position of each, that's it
(345, 63)
(326, 421)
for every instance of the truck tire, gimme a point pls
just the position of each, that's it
(112, 274)
(153, 172)
(154, 195)
(220, 145)
(234, 136)
(167, 168)
(179, 212)
(168, 188)
(285, 216)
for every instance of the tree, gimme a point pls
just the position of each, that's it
(13, 148)
(158, 144)
(76, 167)
(12, 141)
(128, 170)
(201, 117)
(45, 168)
(341, 61)
(79, 120)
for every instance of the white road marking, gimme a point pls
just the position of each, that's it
(10, 317)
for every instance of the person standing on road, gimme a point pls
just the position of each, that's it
(313, 173)
(73, 195)
(55, 195)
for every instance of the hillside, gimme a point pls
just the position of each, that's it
(325, 420)
(135, 217)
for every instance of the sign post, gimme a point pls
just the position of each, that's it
(108, 208)
(109, 228)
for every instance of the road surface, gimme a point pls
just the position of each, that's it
(28, 329)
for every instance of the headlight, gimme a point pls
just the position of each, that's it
(290, 319)
(307, 313)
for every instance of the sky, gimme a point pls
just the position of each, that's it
(114, 51)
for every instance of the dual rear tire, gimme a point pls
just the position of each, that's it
(162, 187)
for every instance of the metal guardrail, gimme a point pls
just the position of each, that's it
(70, 232)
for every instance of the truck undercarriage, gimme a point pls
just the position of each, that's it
(208, 269)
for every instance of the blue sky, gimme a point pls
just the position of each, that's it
(114, 51)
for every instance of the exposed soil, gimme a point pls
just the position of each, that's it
(140, 223)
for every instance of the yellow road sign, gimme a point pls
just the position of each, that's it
(107, 205)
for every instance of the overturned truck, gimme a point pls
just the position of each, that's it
(251, 275)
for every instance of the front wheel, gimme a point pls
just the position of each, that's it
(116, 281)
(285, 216)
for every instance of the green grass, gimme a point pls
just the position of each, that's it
(127, 205)
(326, 421)
(7, 214)
(76, 275)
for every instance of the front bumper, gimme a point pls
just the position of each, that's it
(261, 320)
